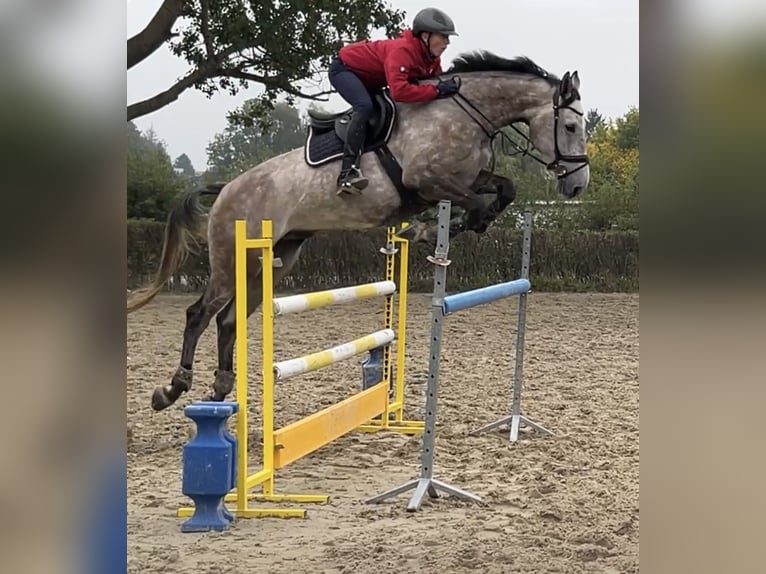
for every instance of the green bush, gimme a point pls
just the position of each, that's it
(561, 260)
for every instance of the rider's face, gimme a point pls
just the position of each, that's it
(437, 43)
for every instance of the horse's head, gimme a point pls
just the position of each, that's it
(500, 92)
(558, 132)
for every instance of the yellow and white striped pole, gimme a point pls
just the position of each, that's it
(319, 299)
(294, 367)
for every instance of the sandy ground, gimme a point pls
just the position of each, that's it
(567, 503)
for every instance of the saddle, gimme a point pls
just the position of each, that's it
(326, 133)
(326, 136)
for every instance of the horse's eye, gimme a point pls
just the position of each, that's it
(571, 128)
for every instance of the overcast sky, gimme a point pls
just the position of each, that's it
(599, 38)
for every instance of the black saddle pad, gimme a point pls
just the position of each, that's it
(322, 148)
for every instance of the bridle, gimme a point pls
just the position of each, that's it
(556, 167)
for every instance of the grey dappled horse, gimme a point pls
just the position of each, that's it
(443, 148)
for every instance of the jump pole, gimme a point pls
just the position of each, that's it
(516, 419)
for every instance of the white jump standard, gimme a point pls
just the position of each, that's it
(516, 419)
(427, 483)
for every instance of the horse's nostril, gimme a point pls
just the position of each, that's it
(577, 189)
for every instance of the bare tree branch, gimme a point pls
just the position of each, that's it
(157, 31)
(170, 95)
(208, 69)
(278, 82)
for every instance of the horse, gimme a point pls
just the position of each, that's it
(415, 156)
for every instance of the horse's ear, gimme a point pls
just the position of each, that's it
(566, 86)
(576, 81)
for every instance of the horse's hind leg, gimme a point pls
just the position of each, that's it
(227, 331)
(198, 317)
(288, 251)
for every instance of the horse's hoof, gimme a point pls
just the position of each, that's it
(160, 399)
(414, 233)
(223, 385)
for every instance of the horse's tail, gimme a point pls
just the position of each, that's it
(186, 223)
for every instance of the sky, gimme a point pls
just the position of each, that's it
(598, 38)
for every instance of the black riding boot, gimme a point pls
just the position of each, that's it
(351, 178)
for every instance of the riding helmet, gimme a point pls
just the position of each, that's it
(433, 20)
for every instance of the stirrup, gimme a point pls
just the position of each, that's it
(353, 181)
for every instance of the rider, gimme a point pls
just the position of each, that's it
(371, 65)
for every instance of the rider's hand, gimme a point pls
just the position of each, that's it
(447, 88)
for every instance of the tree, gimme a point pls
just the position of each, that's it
(614, 169)
(245, 143)
(276, 43)
(627, 130)
(184, 164)
(593, 120)
(152, 185)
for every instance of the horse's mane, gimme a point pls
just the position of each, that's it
(484, 61)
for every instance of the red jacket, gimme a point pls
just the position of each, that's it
(394, 62)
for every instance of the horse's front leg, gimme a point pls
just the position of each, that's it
(475, 216)
(503, 190)
(478, 216)
(432, 190)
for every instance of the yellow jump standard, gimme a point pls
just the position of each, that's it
(370, 410)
